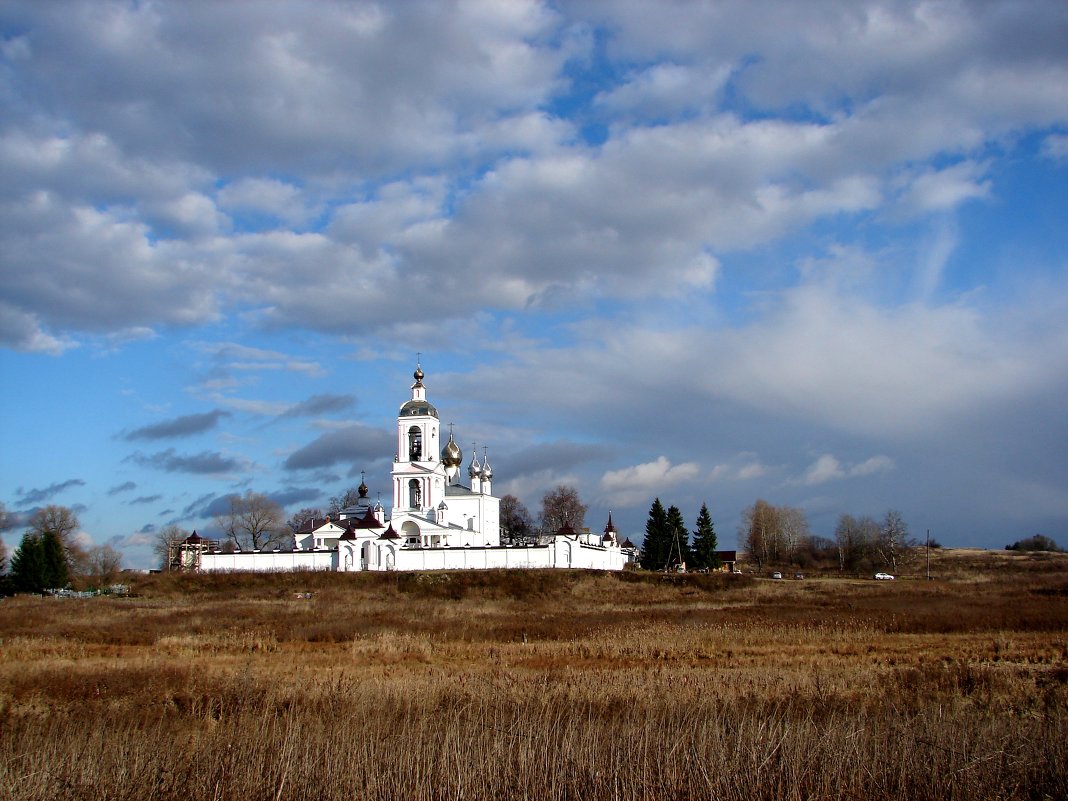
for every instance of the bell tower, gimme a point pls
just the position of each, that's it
(418, 474)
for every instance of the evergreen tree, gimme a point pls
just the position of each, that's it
(55, 574)
(39, 563)
(27, 565)
(655, 546)
(678, 537)
(704, 541)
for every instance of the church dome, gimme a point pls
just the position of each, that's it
(451, 455)
(414, 408)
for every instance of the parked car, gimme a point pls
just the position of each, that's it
(799, 576)
(776, 575)
(883, 577)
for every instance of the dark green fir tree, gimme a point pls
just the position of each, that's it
(678, 538)
(704, 541)
(656, 544)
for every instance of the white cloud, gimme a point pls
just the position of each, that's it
(635, 484)
(1055, 146)
(828, 468)
(934, 190)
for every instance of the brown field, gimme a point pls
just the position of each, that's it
(544, 685)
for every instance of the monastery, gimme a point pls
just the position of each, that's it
(435, 523)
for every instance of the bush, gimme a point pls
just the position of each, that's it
(1038, 542)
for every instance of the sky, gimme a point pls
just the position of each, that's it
(811, 253)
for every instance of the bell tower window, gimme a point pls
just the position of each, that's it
(415, 443)
(415, 494)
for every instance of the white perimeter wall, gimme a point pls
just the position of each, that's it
(269, 562)
(562, 553)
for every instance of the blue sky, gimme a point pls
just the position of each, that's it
(647, 249)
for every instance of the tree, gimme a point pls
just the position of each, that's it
(338, 503)
(856, 540)
(165, 545)
(657, 543)
(39, 563)
(793, 531)
(103, 564)
(562, 505)
(892, 539)
(760, 532)
(302, 518)
(678, 537)
(517, 524)
(705, 543)
(1039, 542)
(63, 523)
(253, 522)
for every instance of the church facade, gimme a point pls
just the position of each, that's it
(436, 521)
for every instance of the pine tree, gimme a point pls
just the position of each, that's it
(39, 563)
(55, 574)
(704, 541)
(655, 546)
(27, 565)
(678, 537)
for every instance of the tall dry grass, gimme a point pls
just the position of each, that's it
(537, 686)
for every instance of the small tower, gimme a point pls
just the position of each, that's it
(452, 457)
(611, 535)
(487, 474)
(474, 472)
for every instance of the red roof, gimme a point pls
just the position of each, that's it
(368, 520)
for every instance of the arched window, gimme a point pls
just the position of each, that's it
(415, 443)
(415, 494)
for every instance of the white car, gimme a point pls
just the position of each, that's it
(776, 575)
(883, 577)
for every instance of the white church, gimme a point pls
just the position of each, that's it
(436, 522)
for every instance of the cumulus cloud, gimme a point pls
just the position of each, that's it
(633, 485)
(828, 468)
(1055, 146)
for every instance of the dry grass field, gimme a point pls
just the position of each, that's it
(544, 685)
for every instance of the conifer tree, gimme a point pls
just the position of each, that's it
(39, 563)
(678, 537)
(27, 565)
(705, 544)
(55, 574)
(655, 546)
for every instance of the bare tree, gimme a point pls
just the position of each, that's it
(253, 522)
(165, 544)
(562, 505)
(63, 523)
(302, 517)
(893, 538)
(761, 533)
(349, 497)
(793, 529)
(102, 565)
(517, 524)
(856, 540)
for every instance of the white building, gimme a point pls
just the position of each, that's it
(436, 522)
